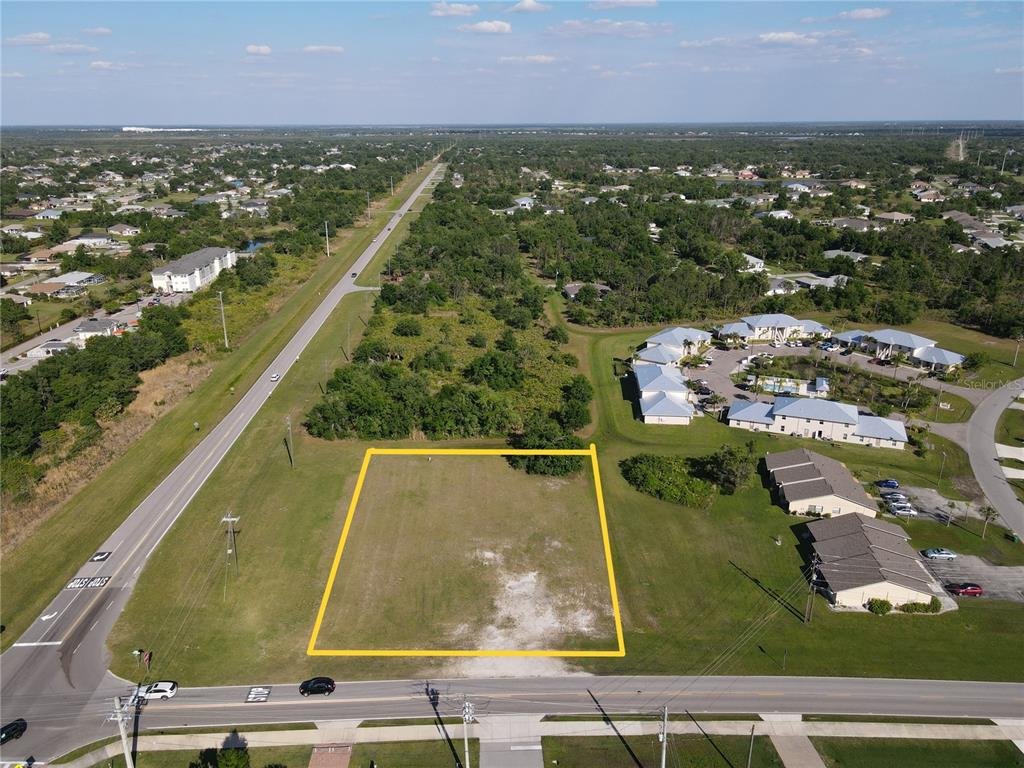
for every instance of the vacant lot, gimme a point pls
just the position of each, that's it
(466, 553)
(917, 753)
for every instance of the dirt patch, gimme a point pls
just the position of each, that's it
(161, 389)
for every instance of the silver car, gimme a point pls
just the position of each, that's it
(940, 553)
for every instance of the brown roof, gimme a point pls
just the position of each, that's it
(857, 550)
(802, 474)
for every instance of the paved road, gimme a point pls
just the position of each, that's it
(13, 361)
(61, 660)
(406, 698)
(981, 447)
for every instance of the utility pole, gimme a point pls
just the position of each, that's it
(231, 554)
(392, 180)
(1016, 349)
(327, 239)
(367, 205)
(809, 610)
(942, 466)
(663, 736)
(223, 322)
(750, 751)
(120, 717)
(467, 718)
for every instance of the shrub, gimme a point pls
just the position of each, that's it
(408, 326)
(932, 606)
(543, 432)
(477, 340)
(878, 606)
(557, 334)
(666, 478)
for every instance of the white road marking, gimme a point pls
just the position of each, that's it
(33, 645)
(48, 616)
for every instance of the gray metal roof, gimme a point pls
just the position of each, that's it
(818, 410)
(900, 338)
(885, 429)
(940, 356)
(190, 262)
(659, 378)
(759, 413)
(665, 404)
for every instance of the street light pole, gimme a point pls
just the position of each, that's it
(223, 322)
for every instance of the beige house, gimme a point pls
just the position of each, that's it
(808, 483)
(859, 558)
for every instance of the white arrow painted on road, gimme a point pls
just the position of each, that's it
(48, 616)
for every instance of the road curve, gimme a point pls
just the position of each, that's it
(981, 447)
(62, 656)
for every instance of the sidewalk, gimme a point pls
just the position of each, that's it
(511, 741)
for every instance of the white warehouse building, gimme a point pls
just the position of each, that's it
(193, 270)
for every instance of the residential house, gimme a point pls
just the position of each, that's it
(48, 349)
(783, 214)
(772, 327)
(819, 420)
(753, 264)
(854, 256)
(193, 270)
(664, 397)
(91, 240)
(673, 344)
(124, 230)
(92, 327)
(886, 343)
(895, 217)
(569, 290)
(780, 286)
(807, 483)
(859, 558)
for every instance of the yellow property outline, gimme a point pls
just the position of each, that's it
(312, 650)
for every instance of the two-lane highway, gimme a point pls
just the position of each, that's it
(63, 652)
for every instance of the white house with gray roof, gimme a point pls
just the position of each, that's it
(664, 397)
(886, 343)
(193, 270)
(772, 327)
(673, 344)
(819, 420)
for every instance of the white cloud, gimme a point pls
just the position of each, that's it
(323, 49)
(12, 75)
(257, 50)
(453, 9)
(788, 38)
(712, 42)
(98, 31)
(865, 14)
(107, 66)
(529, 6)
(71, 49)
(29, 38)
(488, 27)
(604, 5)
(1009, 70)
(536, 58)
(632, 29)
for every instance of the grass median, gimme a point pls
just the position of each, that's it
(916, 753)
(38, 568)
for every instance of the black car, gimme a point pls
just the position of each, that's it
(317, 685)
(13, 730)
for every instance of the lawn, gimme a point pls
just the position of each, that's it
(1010, 427)
(916, 753)
(277, 757)
(466, 552)
(415, 754)
(693, 751)
(49, 558)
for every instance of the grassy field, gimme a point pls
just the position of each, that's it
(698, 587)
(916, 753)
(414, 754)
(259, 757)
(47, 560)
(1010, 427)
(693, 751)
(466, 552)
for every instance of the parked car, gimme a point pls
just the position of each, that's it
(966, 589)
(903, 510)
(704, 391)
(888, 483)
(776, 344)
(317, 686)
(355, 274)
(275, 377)
(13, 730)
(894, 496)
(876, 361)
(163, 690)
(940, 553)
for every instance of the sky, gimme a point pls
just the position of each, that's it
(516, 62)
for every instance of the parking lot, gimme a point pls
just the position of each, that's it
(1000, 582)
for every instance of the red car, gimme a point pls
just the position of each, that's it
(966, 590)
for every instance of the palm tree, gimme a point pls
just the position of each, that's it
(897, 360)
(952, 512)
(988, 514)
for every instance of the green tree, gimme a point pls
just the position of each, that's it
(543, 432)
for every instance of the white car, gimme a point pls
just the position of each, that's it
(940, 553)
(162, 690)
(904, 511)
(275, 377)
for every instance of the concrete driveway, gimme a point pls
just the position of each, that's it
(1000, 582)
